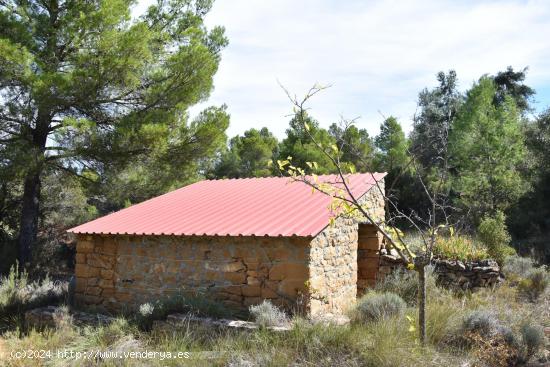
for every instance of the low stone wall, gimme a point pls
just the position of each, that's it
(452, 274)
(467, 275)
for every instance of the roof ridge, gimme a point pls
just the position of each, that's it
(280, 177)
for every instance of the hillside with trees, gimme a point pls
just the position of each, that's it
(95, 116)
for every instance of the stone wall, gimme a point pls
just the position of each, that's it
(471, 275)
(451, 274)
(333, 264)
(95, 270)
(339, 268)
(122, 272)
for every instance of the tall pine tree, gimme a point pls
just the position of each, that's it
(83, 83)
(487, 148)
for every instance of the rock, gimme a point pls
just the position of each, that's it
(175, 321)
(329, 319)
(54, 316)
(467, 275)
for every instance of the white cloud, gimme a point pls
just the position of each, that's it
(377, 54)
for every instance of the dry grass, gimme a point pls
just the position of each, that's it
(390, 341)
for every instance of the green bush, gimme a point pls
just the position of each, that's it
(534, 284)
(532, 337)
(493, 233)
(375, 306)
(461, 248)
(267, 314)
(517, 266)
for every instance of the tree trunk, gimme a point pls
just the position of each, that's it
(29, 217)
(30, 207)
(422, 304)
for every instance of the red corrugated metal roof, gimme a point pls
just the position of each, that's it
(273, 206)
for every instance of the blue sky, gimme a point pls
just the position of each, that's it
(377, 55)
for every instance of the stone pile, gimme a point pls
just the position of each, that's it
(467, 275)
(454, 274)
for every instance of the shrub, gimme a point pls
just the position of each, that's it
(266, 314)
(534, 284)
(146, 309)
(18, 294)
(491, 343)
(517, 266)
(375, 306)
(442, 320)
(482, 322)
(493, 233)
(532, 337)
(460, 248)
(401, 282)
(404, 283)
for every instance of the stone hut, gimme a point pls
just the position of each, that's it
(238, 241)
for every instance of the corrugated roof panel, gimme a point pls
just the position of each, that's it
(273, 206)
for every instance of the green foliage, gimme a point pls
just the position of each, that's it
(437, 111)
(509, 83)
(267, 314)
(392, 145)
(528, 217)
(87, 87)
(64, 201)
(458, 247)
(299, 145)
(178, 159)
(375, 306)
(493, 233)
(356, 146)
(248, 155)
(534, 285)
(487, 148)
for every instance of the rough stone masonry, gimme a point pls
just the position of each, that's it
(320, 274)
